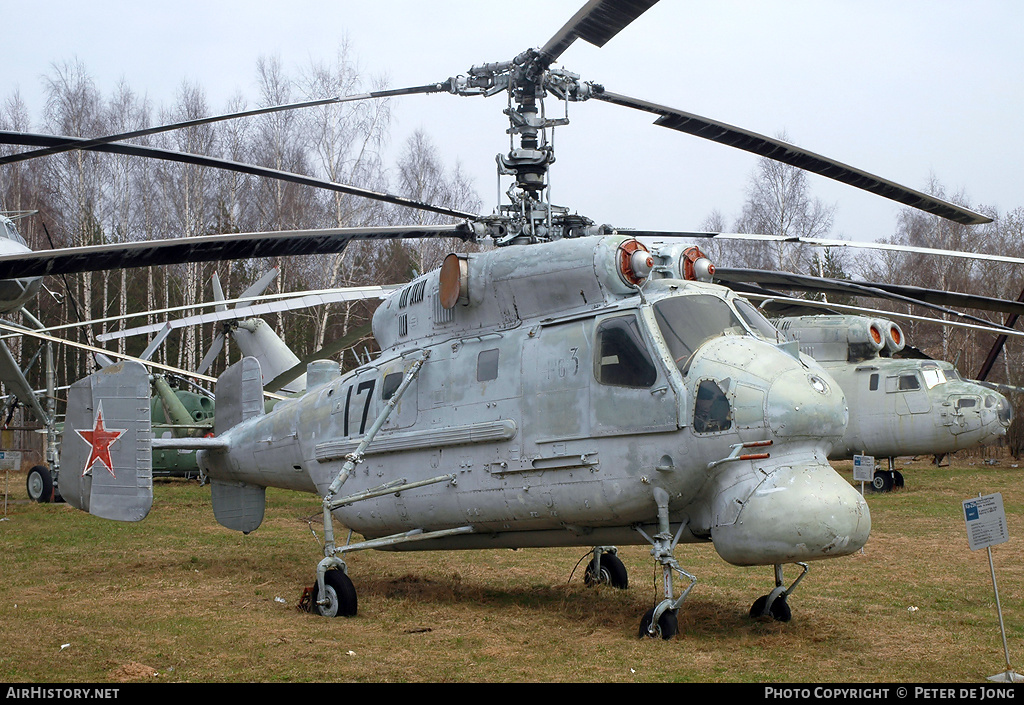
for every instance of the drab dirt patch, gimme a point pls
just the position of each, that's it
(133, 672)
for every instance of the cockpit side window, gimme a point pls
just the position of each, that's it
(686, 322)
(622, 359)
(712, 412)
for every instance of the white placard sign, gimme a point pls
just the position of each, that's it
(10, 460)
(863, 468)
(986, 521)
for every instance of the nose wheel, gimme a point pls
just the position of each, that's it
(774, 604)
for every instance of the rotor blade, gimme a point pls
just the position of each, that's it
(206, 248)
(218, 292)
(928, 298)
(794, 156)
(259, 286)
(156, 342)
(94, 142)
(596, 22)
(828, 306)
(820, 242)
(997, 346)
(212, 353)
(16, 383)
(323, 353)
(24, 138)
(253, 308)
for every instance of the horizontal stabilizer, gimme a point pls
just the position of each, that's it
(107, 451)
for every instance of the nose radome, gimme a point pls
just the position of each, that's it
(798, 513)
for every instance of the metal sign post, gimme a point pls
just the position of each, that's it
(986, 526)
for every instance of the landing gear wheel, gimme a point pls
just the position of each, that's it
(897, 478)
(39, 484)
(340, 593)
(882, 482)
(779, 610)
(612, 572)
(667, 626)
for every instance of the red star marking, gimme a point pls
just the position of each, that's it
(100, 439)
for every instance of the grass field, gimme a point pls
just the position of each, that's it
(177, 598)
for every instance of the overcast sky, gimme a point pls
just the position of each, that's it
(903, 89)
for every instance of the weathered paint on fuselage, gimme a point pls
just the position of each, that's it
(555, 400)
(899, 408)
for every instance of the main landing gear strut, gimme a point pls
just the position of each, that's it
(660, 620)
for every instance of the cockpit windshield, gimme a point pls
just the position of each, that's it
(686, 322)
(10, 232)
(756, 321)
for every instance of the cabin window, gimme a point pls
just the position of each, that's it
(487, 365)
(908, 383)
(391, 384)
(687, 322)
(873, 383)
(965, 403)
(622, 358)
(712, 412)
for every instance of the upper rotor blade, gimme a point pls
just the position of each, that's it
(596, 23)
(24, 138)
(795, 156)
(206, 248)
(93, 142)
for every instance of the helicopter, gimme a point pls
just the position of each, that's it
(546, 392)
(901, 404)
(911, 406)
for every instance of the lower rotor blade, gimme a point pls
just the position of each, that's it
(794, 156)
(207, 248)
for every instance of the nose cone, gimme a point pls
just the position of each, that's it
(798, 513)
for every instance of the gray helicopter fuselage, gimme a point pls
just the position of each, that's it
(898, 406)
(568, 405)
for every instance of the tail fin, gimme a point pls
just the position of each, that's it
(107, 448)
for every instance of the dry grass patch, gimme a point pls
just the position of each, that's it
(84, 600)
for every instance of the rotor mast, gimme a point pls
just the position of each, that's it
(529, 216)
